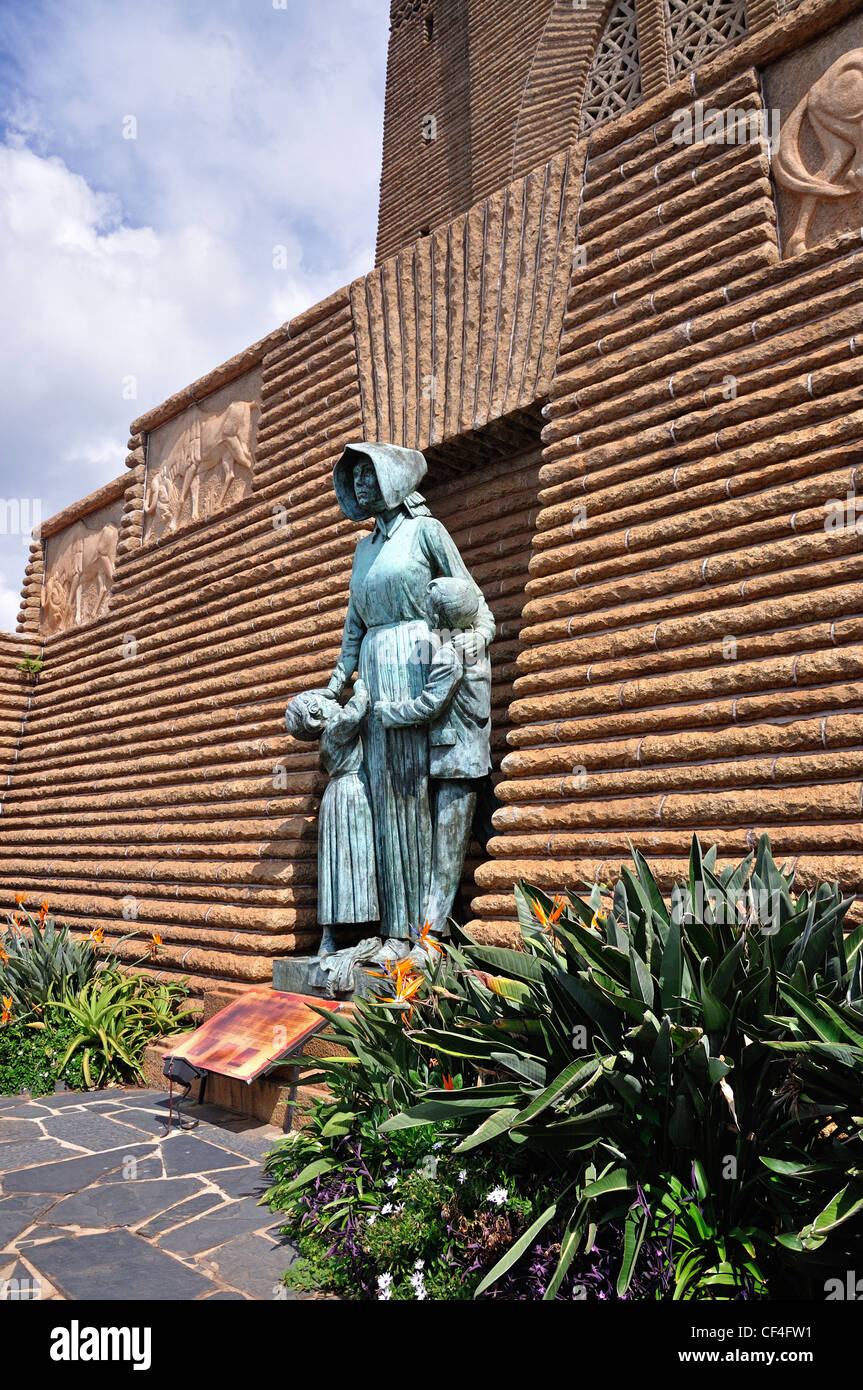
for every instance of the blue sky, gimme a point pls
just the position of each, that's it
(152, 156)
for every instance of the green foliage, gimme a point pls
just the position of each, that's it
(31, 1056)
(108, 1017)
(639, 1042)
(115, 1016)
(31, 666)
(397, 1218)
(42, 961)
(683, 1075)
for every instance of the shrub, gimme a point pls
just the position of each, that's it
(108, 1017)
(32, 1056)
(683, 1080)
(42, 961)
(405, 1218)
(115, 1016)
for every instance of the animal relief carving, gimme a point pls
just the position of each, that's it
(209, 463)
(833, 108)
(80, 574)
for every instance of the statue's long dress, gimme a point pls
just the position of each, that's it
(387, 638)
(347, 872)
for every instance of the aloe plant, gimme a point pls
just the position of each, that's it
(116, 1016)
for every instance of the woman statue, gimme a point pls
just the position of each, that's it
(422, 825)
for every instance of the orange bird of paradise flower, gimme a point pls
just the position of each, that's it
(97, 936)
(7, 1009)
(3, 956)
(545, 919)
(404, 980)
(16, 924)
(448, 1083)
(426, 940)
(155, 943)
(21, 898)
(43, 910)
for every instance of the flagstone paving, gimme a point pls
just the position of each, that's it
(96, 1204)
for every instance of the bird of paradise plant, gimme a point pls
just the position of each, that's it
(426, 940)
(547, 920)
(40, 960)
(404, 981)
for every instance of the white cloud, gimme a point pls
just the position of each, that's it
(152, 259)
(9, 604)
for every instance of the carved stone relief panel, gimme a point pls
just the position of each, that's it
(79, 570)
(200, 462)
(818, 166)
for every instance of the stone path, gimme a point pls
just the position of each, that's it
(94, 1204)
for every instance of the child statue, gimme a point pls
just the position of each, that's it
(347, 879)
(455, 703)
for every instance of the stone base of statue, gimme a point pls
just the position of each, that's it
(300, 975)
(338, 974)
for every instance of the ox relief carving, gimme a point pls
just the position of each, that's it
(79, 570)
(819, 160)
(202, 461)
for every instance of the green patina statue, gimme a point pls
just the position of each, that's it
(412, 743)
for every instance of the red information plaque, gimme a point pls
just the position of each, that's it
(253, 1032)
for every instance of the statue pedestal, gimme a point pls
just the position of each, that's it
(338, 974)
(300, 975)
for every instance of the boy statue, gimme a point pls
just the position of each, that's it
(455, 703)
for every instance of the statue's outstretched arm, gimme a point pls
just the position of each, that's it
(349, 655)
(444, 675)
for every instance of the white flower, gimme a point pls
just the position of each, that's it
(391, 1183)
(462, 1175)
(385, 1287)
(419, 1264)
(417, 1282)
(386, 1208)
(498, 1195)
(438, 1145)
(373, 1218)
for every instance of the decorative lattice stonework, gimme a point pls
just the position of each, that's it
(697, 28)
(409, 9)
(614, 80)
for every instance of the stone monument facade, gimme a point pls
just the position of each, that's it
(617, 308)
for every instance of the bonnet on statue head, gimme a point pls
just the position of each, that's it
(398, 472)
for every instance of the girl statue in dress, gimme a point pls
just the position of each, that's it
(347, 881)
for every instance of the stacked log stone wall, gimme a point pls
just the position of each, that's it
(16, 692)
(680, 640)
(156, 784)
(692, 634)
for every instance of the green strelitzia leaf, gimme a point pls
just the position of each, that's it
(491, 1128)
(515, 1252)
(635, 1228)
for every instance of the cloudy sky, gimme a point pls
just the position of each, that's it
(153, 153)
